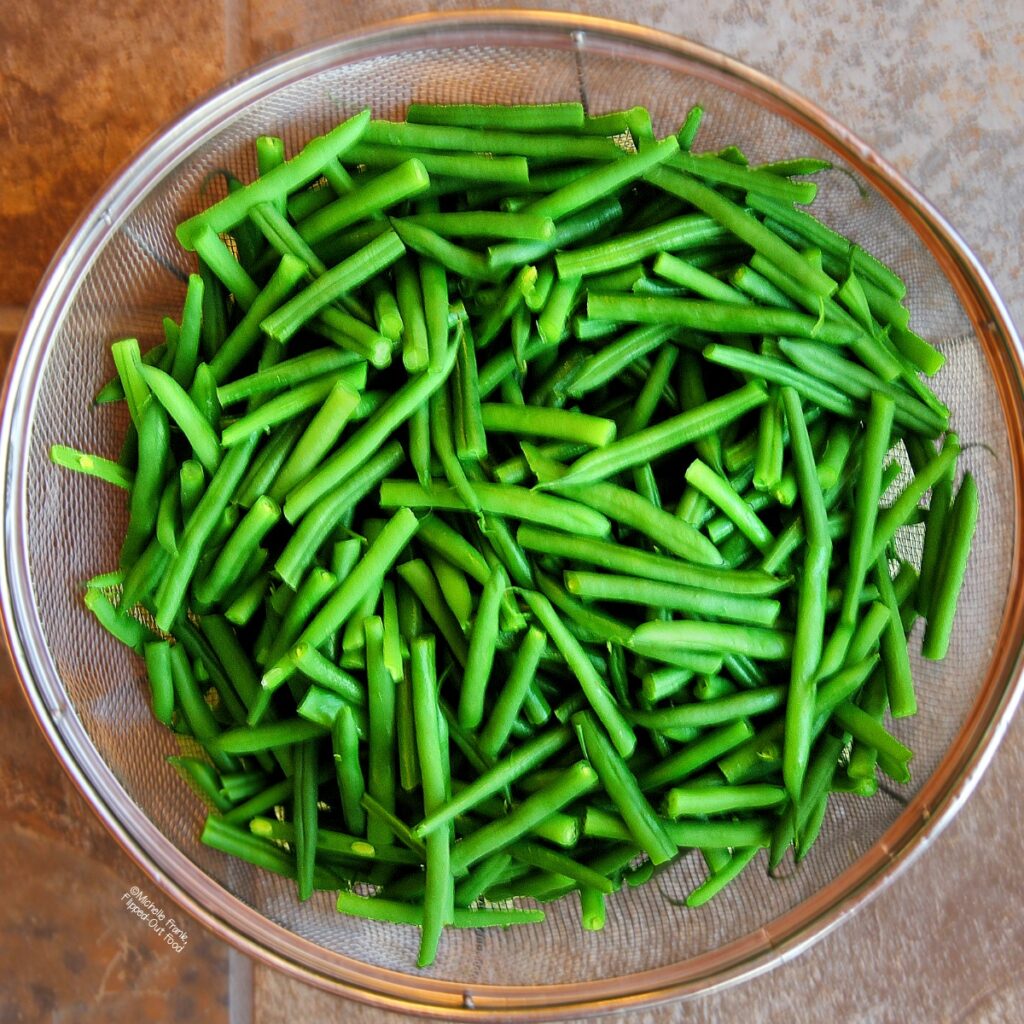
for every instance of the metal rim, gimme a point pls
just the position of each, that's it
(922, 820)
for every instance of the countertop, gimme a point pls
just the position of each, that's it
(936, 86)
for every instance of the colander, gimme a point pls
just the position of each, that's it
(121, 271)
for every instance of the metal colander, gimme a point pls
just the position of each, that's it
(122, 271)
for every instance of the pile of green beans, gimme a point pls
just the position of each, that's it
(511, 513)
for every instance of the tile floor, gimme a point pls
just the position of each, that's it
(937, 87)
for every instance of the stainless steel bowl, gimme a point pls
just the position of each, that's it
(121, 270)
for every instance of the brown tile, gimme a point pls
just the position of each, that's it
(82, 956)
(79, 94)
(10, 323)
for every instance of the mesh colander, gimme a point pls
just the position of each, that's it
(121, 271)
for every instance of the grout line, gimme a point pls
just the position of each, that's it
(239, 988)
(237, 38)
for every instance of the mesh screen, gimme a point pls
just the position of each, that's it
(74, 525)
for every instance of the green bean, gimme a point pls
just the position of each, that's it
(949, 576)
(557, 424)
(402, 182)
(689, 231)
(465, 741)
(92, 465)
(221, 263)
(310, 594)
(317, 667)
(698, 834)
(304, 810)
(630, 509)
(823, 362)
(487, 224)
(631, 561)
(377, 909)
(267, 465)
(197, 713)
(696, 755)
(186, 351)
(476, 884)
(183, 411)
(532, 753)
(573, 783)
(712, 886)
(939, 503)
(892, 518)
(697, 800)
(744, 704)
(415, 347)
(651, 442)
(456, 258)
(327, 841)
(717, 317)
(264, 853)
(894, 650)
(778, 372)
(245, 604)
(294, 371)
(546, 117)
(807, 642)
(715, 637)
(365, 441)
(434, 288)
(757, 180)
(405, 731)
(319, 521)
(499, 499)
(289, 176)
(391, 823)
(281, 408)
(558, 148)
(586, 623)
(200, 525)
(699, 281)
(602, 367)
(480, 656)
(603, 181)
(368, 573)
(758, 611)
(418, 575)
(318, 438)
(495, 733)
(828, 240)
(238, 550)
(246, 333)
(439, 896)
(725, 497)
(341, 278)
(129, 364)
(593, 686)
(353, 335)
(455, 589)
(203, 778)
(453, 547)
(267, 736)
(158, 667)
(621, 786)
(661, 683)
(559, 863)
(893, 756)
(469, 167)
(745, 227)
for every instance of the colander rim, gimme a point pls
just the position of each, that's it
(912, 832)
